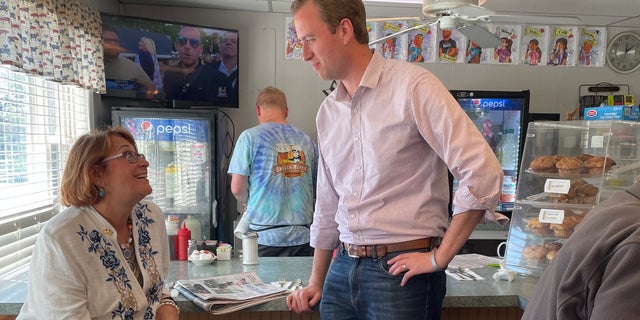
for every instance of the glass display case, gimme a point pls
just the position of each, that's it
(567, 168)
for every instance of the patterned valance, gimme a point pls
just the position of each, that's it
(57, 39)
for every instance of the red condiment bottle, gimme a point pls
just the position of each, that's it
(182, 242)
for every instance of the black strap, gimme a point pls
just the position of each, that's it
(269, 227)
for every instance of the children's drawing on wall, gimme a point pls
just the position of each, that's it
(533, 54)
(473, 53)
(536, 40)
(415, 48)
(502, 54)
(372, 30)
(563, 52)
(447, 47)
(450, 43)
(421, 43)
(395, 47)
(592, 46)
(293, 49)
(559, 54)
(508, 50)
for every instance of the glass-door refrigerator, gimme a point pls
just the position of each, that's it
(183, 150)
(501, 117)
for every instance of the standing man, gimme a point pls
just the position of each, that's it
(189, 78)
(386, 137)
(273, 173)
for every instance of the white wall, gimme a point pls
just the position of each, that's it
(262, 63)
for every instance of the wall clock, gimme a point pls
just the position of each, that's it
(623, 52)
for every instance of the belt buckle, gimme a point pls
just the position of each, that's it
(353, 254)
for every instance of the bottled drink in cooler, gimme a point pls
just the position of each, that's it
(508, 150)
(171, 183)
(193, 224)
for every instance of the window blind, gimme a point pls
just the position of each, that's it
(39, 121)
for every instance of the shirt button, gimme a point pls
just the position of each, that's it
(355, 193)
(356, 139)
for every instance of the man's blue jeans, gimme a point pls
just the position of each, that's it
(363, 288)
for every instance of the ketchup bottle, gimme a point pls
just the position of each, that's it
(182, 242)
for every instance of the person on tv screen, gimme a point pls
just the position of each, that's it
(147, 58)
(188, 78)
(124, 77)
(228, 63)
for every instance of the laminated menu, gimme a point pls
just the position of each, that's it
(229, 293)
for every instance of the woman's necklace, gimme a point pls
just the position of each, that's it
(127, 248)
(129, 253)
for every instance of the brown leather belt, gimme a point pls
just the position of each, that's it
(380, 250)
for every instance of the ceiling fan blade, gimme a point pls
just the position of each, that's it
(395, 19)
(471, 11)
(401, 32)
(481, 36)
(532, 19)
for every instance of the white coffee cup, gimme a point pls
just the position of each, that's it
(250, 248)
(499, 251)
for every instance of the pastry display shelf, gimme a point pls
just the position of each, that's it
(554, 199)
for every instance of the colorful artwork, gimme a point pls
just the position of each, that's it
(293, 49)
(474, 54)
(395, 47)
(531, 45)
(592, 46)
(509, 49)
(534, 40)
(451, 46)
(421, 43)
(372, 29)
(562, 47)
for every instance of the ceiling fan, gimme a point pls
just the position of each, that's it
(464, 15)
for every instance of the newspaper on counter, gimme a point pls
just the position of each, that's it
(229, 293)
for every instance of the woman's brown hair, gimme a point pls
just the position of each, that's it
(84, 158)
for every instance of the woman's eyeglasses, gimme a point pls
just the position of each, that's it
(192, 41)
(131, 156)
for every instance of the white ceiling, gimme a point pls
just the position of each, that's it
(611, 13)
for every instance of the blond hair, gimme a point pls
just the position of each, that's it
(272, 97)
(149, 44)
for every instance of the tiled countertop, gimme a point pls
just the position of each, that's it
(460, 294)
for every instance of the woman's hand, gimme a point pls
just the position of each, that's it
(167, 312)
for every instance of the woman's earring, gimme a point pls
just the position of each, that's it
(101, 193)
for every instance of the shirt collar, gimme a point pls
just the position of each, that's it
(370, 78)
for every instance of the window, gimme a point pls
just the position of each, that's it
(39, 121)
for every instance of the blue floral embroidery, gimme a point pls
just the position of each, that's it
(147, 254)
(104, 248)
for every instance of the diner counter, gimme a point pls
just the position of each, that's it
(460, 294)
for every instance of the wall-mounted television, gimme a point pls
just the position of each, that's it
(175, 64)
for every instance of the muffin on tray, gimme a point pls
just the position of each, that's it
(598, 164)
(535, 253)
(568, 166)
(541, 228)
(544, 164)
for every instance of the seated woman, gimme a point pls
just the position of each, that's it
(106, 256)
